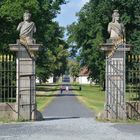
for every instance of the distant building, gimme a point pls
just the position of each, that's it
(50, 80)
(37, 80)
(83, 76)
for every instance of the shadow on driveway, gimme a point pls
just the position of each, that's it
(58, 118)
(57, 95)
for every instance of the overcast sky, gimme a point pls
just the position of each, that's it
(68, 11)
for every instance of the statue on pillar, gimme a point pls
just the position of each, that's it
(116, 31)
(27, 28)
(115, 49)
(25, 49)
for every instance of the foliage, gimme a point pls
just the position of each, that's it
(74, 68)
(91, 30)
(48, 31)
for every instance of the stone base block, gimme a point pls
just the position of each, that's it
(8, 111)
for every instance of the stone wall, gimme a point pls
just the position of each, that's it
(7, 111)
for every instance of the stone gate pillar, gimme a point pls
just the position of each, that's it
(115, 81)
(25, 78)
(115, 49)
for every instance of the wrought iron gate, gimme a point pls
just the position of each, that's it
(133, 86)
(115, 85)
(7, 77)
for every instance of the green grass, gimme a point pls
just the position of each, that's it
(43, 101)
(93, 97)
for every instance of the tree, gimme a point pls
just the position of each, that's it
(91, 30)
(74, 69)
(48, 31)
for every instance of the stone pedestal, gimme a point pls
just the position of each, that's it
(115, 81)
(25, 78)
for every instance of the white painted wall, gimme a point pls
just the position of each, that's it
(84, 80)
(37, 80)
(72, 79)
(50, 80)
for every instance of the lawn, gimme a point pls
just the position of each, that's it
(93, 97)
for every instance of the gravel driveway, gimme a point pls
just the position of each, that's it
(67, 119)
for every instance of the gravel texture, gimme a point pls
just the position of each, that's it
(67, 119)
(65, 129)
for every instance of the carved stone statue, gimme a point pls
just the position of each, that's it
(117, 33)
(116, 29)
(26, 28)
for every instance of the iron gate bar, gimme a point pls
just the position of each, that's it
(115, 85)
(133, 76)
(133, 86)
(7, 78)
(114, 68)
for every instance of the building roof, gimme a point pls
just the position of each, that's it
(84, 72)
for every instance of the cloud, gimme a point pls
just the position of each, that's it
(83, 2)
(69, 10)
(78, 4)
